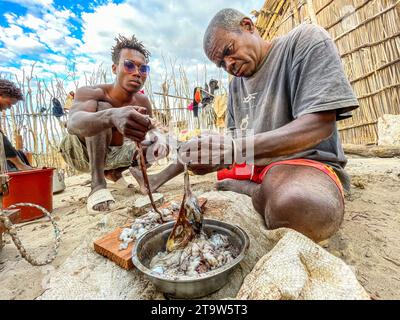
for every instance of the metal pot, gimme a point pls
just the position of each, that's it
(154, 241)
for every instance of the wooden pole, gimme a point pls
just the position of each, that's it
(311, 12)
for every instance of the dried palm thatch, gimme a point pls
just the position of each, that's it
(367, 34)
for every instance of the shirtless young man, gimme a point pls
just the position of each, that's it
(107, 120)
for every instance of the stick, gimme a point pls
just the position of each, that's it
(143, 168)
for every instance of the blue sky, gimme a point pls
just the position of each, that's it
(59, 35)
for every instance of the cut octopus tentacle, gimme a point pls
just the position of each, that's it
(190, 219)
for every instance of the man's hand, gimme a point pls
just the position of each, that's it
(207, 154)
(132, 122)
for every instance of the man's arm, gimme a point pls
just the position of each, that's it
(301, 134)
(85, 121)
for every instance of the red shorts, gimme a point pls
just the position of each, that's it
(257, 173)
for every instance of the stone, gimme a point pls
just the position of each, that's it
(324, 243)
(142, 204)
(389, 130)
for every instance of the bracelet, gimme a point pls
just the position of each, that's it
(234, 148)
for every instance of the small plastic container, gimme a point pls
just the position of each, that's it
(31, 186)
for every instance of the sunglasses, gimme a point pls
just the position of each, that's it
(131, 67)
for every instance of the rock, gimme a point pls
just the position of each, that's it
(142, 204)
(336, 253)
(358, 184)
(389, 130)
(324, 243)
(103, 222)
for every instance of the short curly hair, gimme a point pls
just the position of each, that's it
(126, 43)
(10, 89)
(227, 19)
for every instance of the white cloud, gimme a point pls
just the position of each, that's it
(35, 32)
(51, 57)
(6, 56)
(31, 22)
(32, 3)
(167, 28)
(17, 42)
(173, 29)
(10, 17)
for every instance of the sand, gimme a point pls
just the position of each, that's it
(367, 241)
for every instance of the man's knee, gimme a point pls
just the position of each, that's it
(100, 140)
(315, 216)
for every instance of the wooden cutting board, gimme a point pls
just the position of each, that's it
(108, 245)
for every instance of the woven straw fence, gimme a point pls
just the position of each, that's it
(367, 34)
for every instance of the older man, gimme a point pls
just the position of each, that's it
(105, 120)
(288, 93)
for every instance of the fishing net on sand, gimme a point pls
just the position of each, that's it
(280, 264)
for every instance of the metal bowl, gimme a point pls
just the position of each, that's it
(154, 241)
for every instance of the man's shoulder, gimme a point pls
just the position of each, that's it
(141, 99)
(308, 33)
(91, 92)
(305, 37)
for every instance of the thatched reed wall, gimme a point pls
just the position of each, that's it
(367, 34)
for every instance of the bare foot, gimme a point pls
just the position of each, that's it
(27, 168)
(137, 174)
(154, 180)
(24, 167)
(115, 175)
(102, 206)
(239, 186)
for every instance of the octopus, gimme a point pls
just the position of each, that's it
(149, 220)
(189, 251)
(190, 219)
(199, 256)
(146, 222)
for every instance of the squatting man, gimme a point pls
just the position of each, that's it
(107, 120)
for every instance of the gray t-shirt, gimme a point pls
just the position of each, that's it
(301, 74)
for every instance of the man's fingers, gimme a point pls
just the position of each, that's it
(146, 143)
(140, 119)
(133, 125)
(134, 135)
(141, 110)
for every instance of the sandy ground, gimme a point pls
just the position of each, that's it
(368, 239)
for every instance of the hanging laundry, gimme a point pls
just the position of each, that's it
(220, 107)
(197, 97)
(58, 110)
(69, 101)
